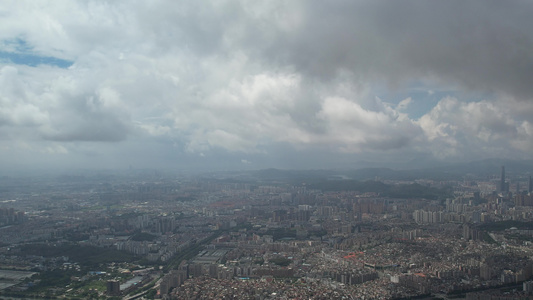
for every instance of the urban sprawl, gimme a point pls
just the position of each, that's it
(147, 235)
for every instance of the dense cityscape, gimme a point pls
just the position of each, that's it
(235, 149)
(265, 235)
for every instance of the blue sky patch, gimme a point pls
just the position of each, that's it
(20, 53)
(33, 60)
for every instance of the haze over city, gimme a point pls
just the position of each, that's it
(238, 149)
(247, 85)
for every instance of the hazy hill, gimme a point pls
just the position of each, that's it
(477, 169)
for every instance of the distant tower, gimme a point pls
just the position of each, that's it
(502, 180)
(530, 187)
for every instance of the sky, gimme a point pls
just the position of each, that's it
(241, 84)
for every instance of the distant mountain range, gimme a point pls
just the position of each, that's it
(487, 168)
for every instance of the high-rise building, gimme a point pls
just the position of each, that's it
(530, 187)
(113, 287)
(502, 180)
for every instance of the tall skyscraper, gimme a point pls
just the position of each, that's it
(113, 287)
(530, 187)
(502, 180)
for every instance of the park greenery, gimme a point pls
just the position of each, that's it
(414, 190)
(143, 236)
(89, 256)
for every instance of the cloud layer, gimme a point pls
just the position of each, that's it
(255, 84)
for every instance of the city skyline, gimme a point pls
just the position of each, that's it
(242, 235)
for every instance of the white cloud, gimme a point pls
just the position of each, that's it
(355, 128)
(220, 77)
(404, 104)
(484, 128)
(55, 149)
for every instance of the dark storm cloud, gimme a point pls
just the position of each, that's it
(482, 45)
